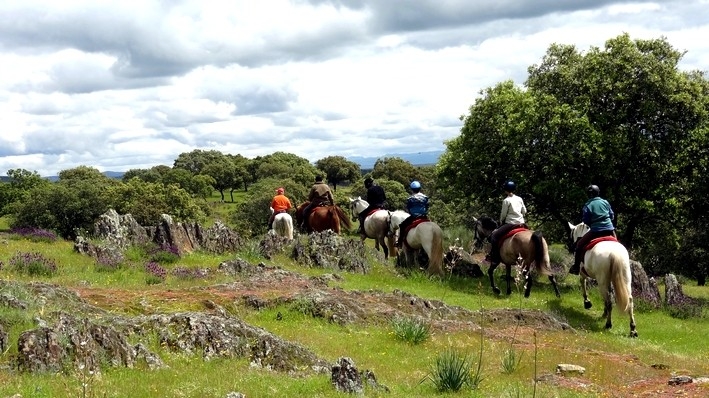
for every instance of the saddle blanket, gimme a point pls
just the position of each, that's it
(510, 234)
(373, 211)
(596, 241)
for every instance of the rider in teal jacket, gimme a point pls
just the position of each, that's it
(598, 215)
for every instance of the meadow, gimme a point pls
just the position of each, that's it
(615, 364)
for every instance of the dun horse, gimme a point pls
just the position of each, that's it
(376, 225)
(608, 262)
(522, 243)
(322, 218)
(426, 235)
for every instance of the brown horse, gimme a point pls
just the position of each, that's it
(527, 248)
(324, 217)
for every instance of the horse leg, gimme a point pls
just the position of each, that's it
(490, 272)
(380, 242)
(508, 271)
(607, 304)
(527, 282)
(552, 279)
(586, 302)
(633, 332)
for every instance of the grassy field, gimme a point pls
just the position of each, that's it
(616, 365)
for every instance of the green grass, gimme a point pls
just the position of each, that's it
(396, 362)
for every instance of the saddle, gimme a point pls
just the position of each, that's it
(413, 224)
(596, 241)
(280, 211)
(510, 234)
(372, 212)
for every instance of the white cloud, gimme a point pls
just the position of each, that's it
(132, 84)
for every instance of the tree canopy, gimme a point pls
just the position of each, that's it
(338, 169)
(623, 117)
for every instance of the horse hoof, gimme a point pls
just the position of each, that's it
(496, 290)
(633, 333)
(608, 325)
(587, 305)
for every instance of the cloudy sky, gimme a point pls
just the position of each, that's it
(129, 84)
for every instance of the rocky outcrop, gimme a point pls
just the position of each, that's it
(113, 233)
(644, 288)
(329, 250)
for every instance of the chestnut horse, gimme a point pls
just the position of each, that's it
(529, 245)
(322, 218)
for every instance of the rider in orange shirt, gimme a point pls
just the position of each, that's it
(279, 204)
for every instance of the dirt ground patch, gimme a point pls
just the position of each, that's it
(275, 286)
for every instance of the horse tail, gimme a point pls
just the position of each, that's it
(342, 216)
(435, 258)
(541, 256)
(623, 298)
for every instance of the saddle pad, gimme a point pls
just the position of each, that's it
(510, 234)
(372, 212)
(416, 222)
(596, 241)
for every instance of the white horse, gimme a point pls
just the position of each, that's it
(609, 263)
(427, 236)
(376, 226)
(283, 225)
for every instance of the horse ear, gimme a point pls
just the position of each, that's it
(570, 226)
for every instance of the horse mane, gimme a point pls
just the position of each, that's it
(487, 222)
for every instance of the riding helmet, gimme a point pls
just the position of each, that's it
(510, 186)
(368, 182)
(415, 185)
(593, 191)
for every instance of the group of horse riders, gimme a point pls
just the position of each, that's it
(596, 213)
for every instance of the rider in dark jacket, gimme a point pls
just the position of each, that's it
(376, 199)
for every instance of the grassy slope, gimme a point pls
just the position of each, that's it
(611, 359)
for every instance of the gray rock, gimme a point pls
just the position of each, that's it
(566, 369)
(644, 288)
(679, 380)
(345, 376)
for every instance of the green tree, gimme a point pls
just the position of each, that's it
(21, 182)
(395, 169)
(622, 117)
(197, 160)
(282, 165)
(338, 169)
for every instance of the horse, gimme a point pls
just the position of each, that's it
(482, 230)
(322, 218)
(426, 235)
(608, 263)
(376, 225)
(283, 225)
(526, 244)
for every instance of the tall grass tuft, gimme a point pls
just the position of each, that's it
(32, 264)
(511, 358)
(411, 330)
(452, 371)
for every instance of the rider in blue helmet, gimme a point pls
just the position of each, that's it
(416, 206)
(511, 217)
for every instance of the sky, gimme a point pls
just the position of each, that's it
(120, 85)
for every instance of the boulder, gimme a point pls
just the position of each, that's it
(345, 377)
(329, 250)
(644, 288)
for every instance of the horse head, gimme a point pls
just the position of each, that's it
(483, 230)
(357, 206)
(575, 233)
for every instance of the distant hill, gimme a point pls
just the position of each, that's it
(417, 158)
(110, 174)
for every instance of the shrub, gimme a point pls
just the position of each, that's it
(165, 254)
(156, 273)
(410, 330)
(33, 264)
(35, 234)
